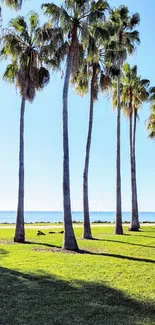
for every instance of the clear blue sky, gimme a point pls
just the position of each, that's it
(43, 137)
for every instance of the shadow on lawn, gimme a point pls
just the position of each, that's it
(142, 236)
(83, 251)
(3, 252)
(43, 244)
(49, 300)
(130, 258)
(122, 242)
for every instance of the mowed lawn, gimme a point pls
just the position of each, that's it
(110, 282)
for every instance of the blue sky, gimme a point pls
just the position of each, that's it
(43, 137)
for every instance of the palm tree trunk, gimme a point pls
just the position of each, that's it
(134, 226)
(131, 168)
(118, 224)
(86, 224)
(20, 232)
(69, 237)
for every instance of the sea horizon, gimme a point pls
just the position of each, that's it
(75, 211)
(9, 216)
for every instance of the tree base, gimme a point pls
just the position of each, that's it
(68, 248)
(119, 231)
(19, 239)
(89, 237)
(70, 245)
(133, 228)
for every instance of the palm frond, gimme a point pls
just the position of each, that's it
(21, 46)
(33, 21)
(105, 82)
(15, 4)
(134, 90)
(58, 15)
(134, 21)
(18, 24)
(44, 77)
(10, 73)
(97, 11)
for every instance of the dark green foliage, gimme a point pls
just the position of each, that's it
(131, 84)
(15, 4)
(27, 46)
(123, 37)
(151, 119)
(84, 15)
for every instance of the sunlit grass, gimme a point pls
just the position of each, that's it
(111, 282)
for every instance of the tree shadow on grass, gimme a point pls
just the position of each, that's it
(145, 231)
(83, 251)
(3, 252)
(142, 236)
(122, 242)
(43, 244)
(124, 257)
(31, 299)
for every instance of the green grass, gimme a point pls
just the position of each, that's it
(111, 282)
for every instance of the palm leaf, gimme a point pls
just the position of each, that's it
(11, 72)
(18, 24)
(33, 21)
(15, 4)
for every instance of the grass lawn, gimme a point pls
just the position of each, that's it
(112, 282)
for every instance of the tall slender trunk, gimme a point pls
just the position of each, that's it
(86, 224)
(134, 226)
(69, 237)
(118, 224)
(131, 165)
(20, 232)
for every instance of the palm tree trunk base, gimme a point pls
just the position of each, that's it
(68, 248)
(19, 239)
(87, 236)
(119, 231)
(70, 244)
(133, 228)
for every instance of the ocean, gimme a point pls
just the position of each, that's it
(51, 216)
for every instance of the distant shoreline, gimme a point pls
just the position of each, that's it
(60, 225)
(74, 222)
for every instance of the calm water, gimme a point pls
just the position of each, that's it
(10, 217)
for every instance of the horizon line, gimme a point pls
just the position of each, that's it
(75, 211)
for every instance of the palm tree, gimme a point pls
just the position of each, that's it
(92, 69)
(140, 95)
(134, 91)
(21, 44)
(123, 40)
(151, 119)
(75, 18)
(15, 4)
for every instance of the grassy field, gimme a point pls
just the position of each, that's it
(111, 282)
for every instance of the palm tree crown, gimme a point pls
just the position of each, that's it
(15, 4)
(21, 42)
(79, 17)
(132, 86)
(124, 37)
(151, 120)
